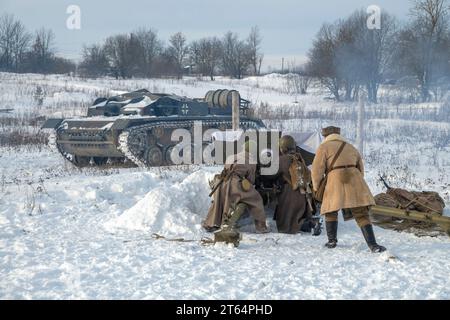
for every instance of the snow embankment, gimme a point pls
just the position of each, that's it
(53, 244)
(172, 209)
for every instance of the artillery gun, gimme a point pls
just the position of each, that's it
(430, 218)
(136, 127)
(400, 209)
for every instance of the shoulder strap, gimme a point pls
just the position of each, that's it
(300, 158)
(336, 157)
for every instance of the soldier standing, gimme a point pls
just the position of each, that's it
(234, 193)
(340, 165)
(295, 205)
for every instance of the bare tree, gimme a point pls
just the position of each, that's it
(348, 55)
(322, 62)
(14, 43)
(376, 45)
(42, 50)
(149, 49)
(119, 55)
(95, 61)
(364, 55)
(126, 55)
(229, 44)
(61, 65)
(206, 54)
(298, 83)
(178, 51)
(422, 45)
(235, 56)
(254, 46)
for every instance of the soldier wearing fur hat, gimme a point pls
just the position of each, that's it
(338, 170)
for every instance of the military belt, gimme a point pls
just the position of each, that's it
(344, 167)
(235, 174)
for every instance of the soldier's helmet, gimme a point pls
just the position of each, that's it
(287, 144)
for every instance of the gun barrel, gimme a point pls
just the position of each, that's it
(442, 221)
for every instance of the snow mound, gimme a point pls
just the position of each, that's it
(169, 210)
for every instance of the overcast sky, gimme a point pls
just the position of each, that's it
(287, 26)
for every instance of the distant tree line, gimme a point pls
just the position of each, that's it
(22, 51)
(142, 54)
(347, 56)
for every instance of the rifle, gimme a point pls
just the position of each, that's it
(224, 176)
(309, 197)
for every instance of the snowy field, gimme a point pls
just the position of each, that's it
(87, 234)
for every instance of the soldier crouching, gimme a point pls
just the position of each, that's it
(340, 165)
(234, 193)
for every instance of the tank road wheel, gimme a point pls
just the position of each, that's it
(151, 139)
(153, 157)
(158, 132)
(137, 143)
(100, 161)
(80, 161)
(116, 161)
(209, 153)
(179, 151)
(176, 148)
(168, 155)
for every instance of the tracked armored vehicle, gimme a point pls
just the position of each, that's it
(136, 127)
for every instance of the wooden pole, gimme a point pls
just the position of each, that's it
(361, 118)
(235, 102)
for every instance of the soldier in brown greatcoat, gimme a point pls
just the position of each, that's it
(236, 193)
(345, 189)
(294, 202)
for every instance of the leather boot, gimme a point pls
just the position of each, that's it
(234, 216)
(369, 236)
(261, 227)
(229, 233)
(332, 227)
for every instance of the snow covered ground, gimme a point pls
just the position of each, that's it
(87, 234)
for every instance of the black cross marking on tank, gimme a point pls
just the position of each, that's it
(185, 109)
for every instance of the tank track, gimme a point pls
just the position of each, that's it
(54, 145)
(132, 145)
